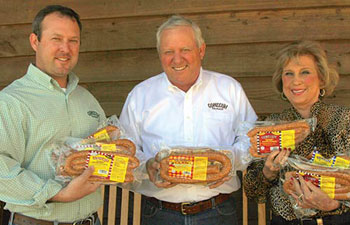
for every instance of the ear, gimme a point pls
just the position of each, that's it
(34, 42)
(202, 51)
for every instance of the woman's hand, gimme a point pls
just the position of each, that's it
(308, 195)
(273, 163)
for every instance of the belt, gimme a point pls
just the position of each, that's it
(26, 220)
(188, 208)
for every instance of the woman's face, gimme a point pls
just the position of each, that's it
(301, 83)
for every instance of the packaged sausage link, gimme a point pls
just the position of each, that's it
(333, 181)
(268, 136)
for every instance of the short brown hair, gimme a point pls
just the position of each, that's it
(328, 76)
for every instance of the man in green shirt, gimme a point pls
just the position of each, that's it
(42, 107)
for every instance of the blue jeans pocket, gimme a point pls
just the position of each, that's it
(149, 210)
(227, 208)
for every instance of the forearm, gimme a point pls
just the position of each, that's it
(256, 186)
(23, 187)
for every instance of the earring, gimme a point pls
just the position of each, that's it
(322, 92)
(284, 98)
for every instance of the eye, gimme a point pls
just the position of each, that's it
(74, 41)
(186, 50)
(305, 72)
(168, 52)
(56, 39)
(288, 73)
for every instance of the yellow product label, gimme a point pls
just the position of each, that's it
(320, 160)
(102, 135)
(200, 166)
(108, 147)
(288, 139)
(341, 163)
(327, 184)
(120, 165)
(101, 163)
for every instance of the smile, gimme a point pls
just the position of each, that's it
(63, 59)
(299, 91)
(180, 68)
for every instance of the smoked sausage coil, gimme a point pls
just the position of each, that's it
(75, 163)
(212, 174)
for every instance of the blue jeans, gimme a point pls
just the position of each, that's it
(222, 214)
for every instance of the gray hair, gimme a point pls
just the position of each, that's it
(177, 20)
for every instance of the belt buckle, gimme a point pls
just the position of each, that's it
(90, 219)
(182, 207)
(319, 221)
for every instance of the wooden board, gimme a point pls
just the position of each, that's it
(23, 11)
(219, 28)
(244, 60)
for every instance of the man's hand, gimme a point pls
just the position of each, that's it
(78, 188)
(152, 167)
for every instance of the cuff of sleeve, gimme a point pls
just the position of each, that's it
(267, 183)
(50, 189)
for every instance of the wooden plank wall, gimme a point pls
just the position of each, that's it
(242, 36)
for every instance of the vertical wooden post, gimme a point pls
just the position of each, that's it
(137, 209)
(245, 203)
(112, 204)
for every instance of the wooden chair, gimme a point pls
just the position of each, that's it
(261, 209)
(112, 207)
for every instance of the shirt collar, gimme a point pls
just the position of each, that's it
(173, 88)
(40, 77)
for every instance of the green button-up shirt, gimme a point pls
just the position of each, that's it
(34, 113)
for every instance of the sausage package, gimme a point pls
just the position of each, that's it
(333, 179)
(110, 152)
(109, 130)
(190, 165)
(267, 136)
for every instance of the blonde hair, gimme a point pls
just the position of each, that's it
(329, 77)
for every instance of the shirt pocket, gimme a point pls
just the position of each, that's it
(218, 127)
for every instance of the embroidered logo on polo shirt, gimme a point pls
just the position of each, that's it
(93, 114)
(217, 106)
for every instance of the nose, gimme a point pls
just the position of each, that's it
(177, 58)
(297, 79)
(64, 46)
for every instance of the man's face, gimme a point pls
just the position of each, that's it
(180, 56)
(58, 50)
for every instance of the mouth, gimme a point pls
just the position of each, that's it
(63, 59)
(298, 91)
(179, 68)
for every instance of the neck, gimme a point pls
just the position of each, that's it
(62, 81)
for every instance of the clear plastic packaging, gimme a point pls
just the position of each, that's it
(334, 181)
(194, 165)
(108, 150)
(263, 137)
